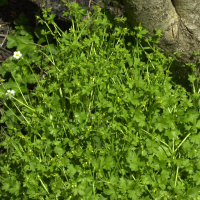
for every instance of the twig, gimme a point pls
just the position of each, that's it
(5, 50)
(4, 38)
(3, 35)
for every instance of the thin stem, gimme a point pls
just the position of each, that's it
(182, 142)
(22, 114)
(12, 112)
(24, 104)
(19, 89)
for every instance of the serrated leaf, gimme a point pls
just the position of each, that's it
(161, 154)
(12, 41)
(135, 193)
(2, 92)
(198, 124)
(31, 78)
(22, 20)
(53, 131)
(140, 118)
(134, 161)
(108, 163)
(52, 48)
(59, 150)
(195, 138)
(31, 192)
(41, 40)
(55, 101)
(2, 71)
(24, 40)
(193, 192)
(97, 142)
(11, 85)
(136, 61)
(71, 170)
(196, 177)
(108, 191)
(146, 179)
(6, 186)
(15, 188)
(193, 115)
(24, 48)
(172, 134)
(39, 109)
(80, 116)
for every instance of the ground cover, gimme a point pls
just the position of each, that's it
(88, 115)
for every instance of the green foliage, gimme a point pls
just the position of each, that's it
(3, 2)
(95, 117)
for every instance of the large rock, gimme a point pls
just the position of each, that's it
(179, 21)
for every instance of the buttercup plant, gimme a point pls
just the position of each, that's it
(96, 117)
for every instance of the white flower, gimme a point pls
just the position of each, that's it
(10, 93)
(17, 54)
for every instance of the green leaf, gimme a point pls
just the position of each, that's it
(15, 188)
(41, 40)
(108, 191)
(11, 85)
(143, 32)
(12, 41)
(140, 118)
(196, 177)
(22, 20)
(2, 91)
(37, 32)
(136, 61)
(71, 170)
(146, 179)
(161, 154)
(55, 101)
(6, 186)
(80, 116)
(123, 184)
(3, 2)
(135, 193)
(24, 48)
(31, 78)
(53, 131)
(172, 134)
(24, 40)
(198, 124)
(31, 192)
(59, 150)
(134, 161)
(192, 115)
(193, 192)
(2, 70)
(195, 138)
(39, 109)
(52, 48)
(97, 142)
(108, 163)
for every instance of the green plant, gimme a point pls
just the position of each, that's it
(94, 117)
(3, 2)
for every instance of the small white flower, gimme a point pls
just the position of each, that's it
(10, 93)
(17, 54)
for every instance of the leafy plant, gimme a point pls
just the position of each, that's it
(95, 117)
(3, 2)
